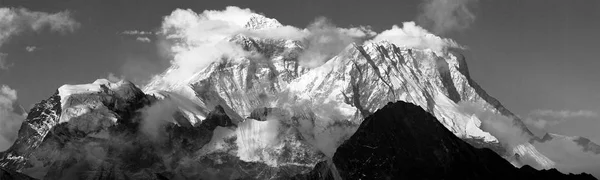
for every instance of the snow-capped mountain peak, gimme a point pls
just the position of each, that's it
(258, 21)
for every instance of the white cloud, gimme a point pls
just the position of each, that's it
(542, 119)
(113, 78)
(325, 40)
(569, 156)
(143, 39)
(141, 36)
(199, 39)
(444, 16)
(565, 114)
(498, 125)
(413, 36)
(194, 40)
(540, 123)
(31, 48)
(10, 121)
(136, 32)
(15, 21)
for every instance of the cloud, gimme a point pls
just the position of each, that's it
(14, 21)
(565, 114)
(542, 119)
(512, 136)
(161, 113)
(136, 32)
(141, 36)
(325, 40)
(113, 78)
(196, 40)
(413, 36)
(143, 39)
(540, 123)
(570, 157)
(501, 127)
(31, 48)
(443, 16)
(10, 119)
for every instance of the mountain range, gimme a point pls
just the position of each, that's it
(266, 115)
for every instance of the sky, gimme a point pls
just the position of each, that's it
(540, 58)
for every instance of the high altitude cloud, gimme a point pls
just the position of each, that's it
(143, 39)
(570, 156)
(413, 36)
(198, 39)
(565, 114)
(141, 36)
(325, 40)
(443, 16)
(499, 126)
(136, 32)
(540, 123)
(31, 48)
(15, 21)
(10, 118)
(541, 119)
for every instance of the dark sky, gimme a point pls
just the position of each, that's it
(534, 54)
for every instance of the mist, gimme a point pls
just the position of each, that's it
(568, 156)
(325, 40)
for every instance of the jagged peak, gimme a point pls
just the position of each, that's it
(258, 21)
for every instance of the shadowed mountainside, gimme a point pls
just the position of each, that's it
(402, 141)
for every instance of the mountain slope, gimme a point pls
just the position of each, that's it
(401, 141)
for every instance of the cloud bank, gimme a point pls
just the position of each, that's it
(413, 36)
(568, 155)
(14, 21)
(195, 40)
(325, 40)
(11, 117)
(444, 16)
(499, 126)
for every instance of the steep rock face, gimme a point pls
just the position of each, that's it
(42, 117)
(401, 141)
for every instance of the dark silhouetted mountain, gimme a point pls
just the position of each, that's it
(402, 141)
